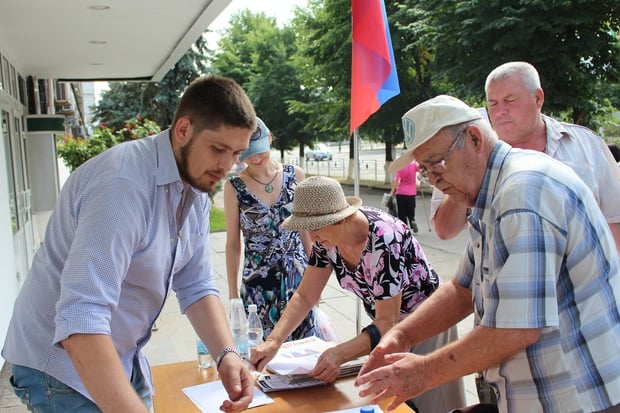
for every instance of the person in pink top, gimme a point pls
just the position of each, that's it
(405, 188)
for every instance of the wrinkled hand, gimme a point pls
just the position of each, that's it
(238, 382)
(403, 377)
(263, 353)
(391, 342)
(327, 367)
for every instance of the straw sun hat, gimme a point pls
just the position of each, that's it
(318, 202)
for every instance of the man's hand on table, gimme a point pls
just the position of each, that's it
(238, 382)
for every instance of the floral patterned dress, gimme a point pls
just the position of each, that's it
(392, 262)
(274, 258)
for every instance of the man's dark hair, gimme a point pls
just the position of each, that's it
(211, 101)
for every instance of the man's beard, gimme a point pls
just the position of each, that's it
(183, 166)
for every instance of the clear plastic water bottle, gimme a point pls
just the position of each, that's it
(255, 327)
(239, 326)
(205, 360)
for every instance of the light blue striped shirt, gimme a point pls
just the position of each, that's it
(111, 254)
(541, 255)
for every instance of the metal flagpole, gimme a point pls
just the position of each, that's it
(356, 160)
(371, 84)
(356, 192)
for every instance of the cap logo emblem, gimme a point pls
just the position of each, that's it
(409, 130)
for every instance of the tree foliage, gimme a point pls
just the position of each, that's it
(75, 151)
(572, 43)
(415, 78)
(121, 101)
(324, 39)
(259, 56)
(299, 76)
(326, 34)
(152, 100)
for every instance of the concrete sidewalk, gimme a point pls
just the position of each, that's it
(175, 339)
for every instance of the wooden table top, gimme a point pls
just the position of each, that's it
(169, 379)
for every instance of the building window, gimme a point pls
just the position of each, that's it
(13, 81)
(21, 85)
(31, 91)
(1, 82)
(6, 137)
(43, 96)
(5, 74)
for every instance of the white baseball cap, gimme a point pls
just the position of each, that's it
(426, 119)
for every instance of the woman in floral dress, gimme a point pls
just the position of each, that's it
(256, 202)
(375, 256)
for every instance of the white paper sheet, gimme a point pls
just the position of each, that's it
(210, 396)
(299, 356)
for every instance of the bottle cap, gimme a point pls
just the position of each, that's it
(367, 409)
(251, 307)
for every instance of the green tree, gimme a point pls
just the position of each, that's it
(152, 100)
(259, 55)
(324, 59)
(573, 44)
(162, 98)
(75, 151)
(121, 101)
(415, 78)
(137, 128)
(325, 29)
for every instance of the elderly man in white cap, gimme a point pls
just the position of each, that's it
(540, 274)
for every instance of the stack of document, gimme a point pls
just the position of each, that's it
(276, 382)
(295, 359)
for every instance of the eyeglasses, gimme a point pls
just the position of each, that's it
(439, 168)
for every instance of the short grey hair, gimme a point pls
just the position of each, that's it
(527, 74)
(485, 127)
